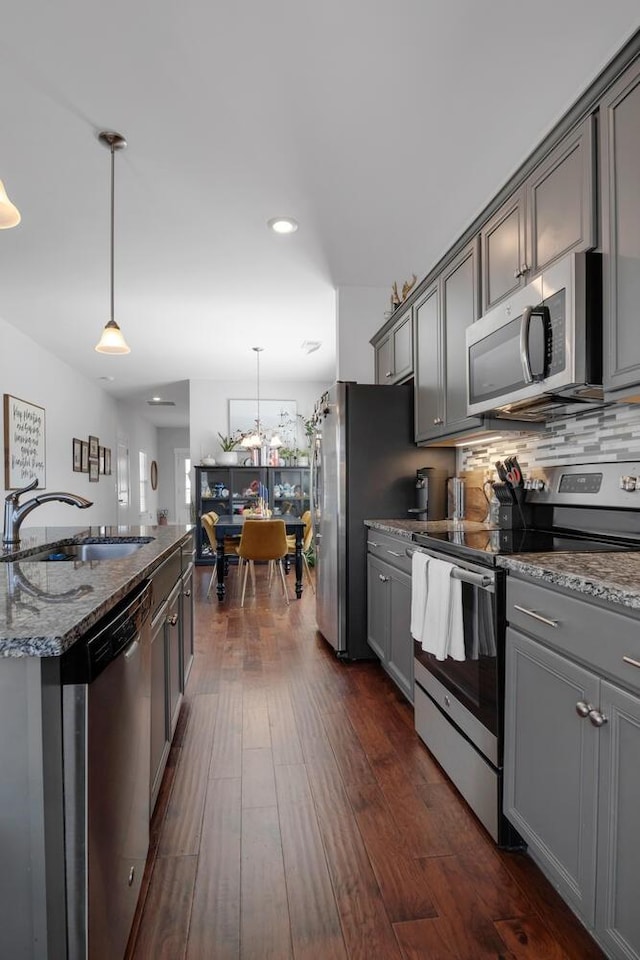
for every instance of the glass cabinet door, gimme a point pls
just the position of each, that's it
(245, 484)
(291, 490)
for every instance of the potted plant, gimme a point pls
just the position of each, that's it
(228, 444)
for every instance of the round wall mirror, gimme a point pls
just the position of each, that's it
(154, 475)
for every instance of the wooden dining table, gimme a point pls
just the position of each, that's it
(231, 526)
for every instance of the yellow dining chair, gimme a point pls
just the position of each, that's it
(264, 540)
(209, 521)
(307, 539)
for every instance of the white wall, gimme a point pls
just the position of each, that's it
(209, 407)
(74, 407)
(169, 439)
(140, 434)
(360, 313)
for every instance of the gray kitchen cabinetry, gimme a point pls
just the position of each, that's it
(551, 213)
(186, 626)
(389, 608)
(394, 353)
(442, 315)
(620, 199)
(160, 741)
(174, 656)
(572, 739)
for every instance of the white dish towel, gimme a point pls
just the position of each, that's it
(419, 582)
(443, 631)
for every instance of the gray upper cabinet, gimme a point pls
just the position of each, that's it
(620, 198)
(552, 213)
(442, 316)
(503, 252)
(394, 354)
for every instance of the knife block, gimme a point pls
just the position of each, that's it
(512, 516)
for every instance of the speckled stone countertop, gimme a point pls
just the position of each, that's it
(406, 528)
(610, 577)
(46, 607)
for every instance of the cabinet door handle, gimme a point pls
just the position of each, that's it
(631, 661)
(383, 579)
(583, 709)
(393, 553)
(372, 544)
(517, 274)
(172, 620)
(536, 616)
(187, 593)
(389, 373)
(437, 421)
(525, 268)
(597, 718)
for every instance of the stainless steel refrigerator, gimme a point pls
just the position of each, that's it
(364, 467)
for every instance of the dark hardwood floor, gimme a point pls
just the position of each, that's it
(300, 817)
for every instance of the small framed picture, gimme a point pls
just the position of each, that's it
(93, 448)
(84, 457)
(107, 461)
(101, 459)
(94, 473)
(77, 455)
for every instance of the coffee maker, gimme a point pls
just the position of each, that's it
(431, 494)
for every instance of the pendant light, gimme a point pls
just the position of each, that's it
(112, 340)
(9, 214)
(255, 440)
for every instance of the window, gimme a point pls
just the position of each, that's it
(187, 482)
(142, 460)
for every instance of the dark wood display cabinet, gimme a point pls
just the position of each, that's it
(229, 490)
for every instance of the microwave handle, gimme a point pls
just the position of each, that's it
(540, 313)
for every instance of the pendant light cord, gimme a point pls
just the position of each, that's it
(113, 220)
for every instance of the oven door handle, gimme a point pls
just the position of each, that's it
(482, 580)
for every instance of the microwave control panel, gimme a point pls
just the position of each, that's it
(556, 359)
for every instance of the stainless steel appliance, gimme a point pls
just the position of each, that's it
(106, 769)
(459, 704)
(539, 354)
(364, 467)
(431, 494)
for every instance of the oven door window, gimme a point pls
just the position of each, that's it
(474, 680)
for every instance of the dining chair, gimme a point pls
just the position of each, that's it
(306, 544)
(231, 544)
(263, 540)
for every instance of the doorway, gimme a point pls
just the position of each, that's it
(122, 478)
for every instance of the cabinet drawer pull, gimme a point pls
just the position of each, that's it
(172, 620)
(536, 616)
(373, 544)
(438, 420)
(187, 593)
(383, 579)
(597, 719)
(393, 553)
(583, 709)
(631, 661)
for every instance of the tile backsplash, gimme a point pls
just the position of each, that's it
(610, 433)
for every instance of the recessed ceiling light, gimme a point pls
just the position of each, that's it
(283, 225)
(310, 346)
(156, 399)
(108, 379)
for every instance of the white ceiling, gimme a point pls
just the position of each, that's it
(382, 128)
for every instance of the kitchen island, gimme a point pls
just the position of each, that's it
(46, 608)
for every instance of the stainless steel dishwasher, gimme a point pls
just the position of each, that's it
(106, 748)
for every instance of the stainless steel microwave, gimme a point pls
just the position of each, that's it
(539, 354)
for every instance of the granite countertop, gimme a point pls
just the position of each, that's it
(46, 607)
(610, 577)
(406, 528)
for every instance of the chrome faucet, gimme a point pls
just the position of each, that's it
(15, 512)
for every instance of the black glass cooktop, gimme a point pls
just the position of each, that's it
(483, 545)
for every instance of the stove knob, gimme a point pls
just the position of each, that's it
(537, 485)
(628, 483)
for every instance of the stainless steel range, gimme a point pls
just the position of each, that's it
(459, 703)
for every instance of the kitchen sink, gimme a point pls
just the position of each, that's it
(91, 550)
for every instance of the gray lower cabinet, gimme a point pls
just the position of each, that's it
(442, 315)
(160, 739)
(394, 352)
(620, 199)
(572, 742)
(389, 613)
(550, 214)
(186, 626)
(174, 656)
